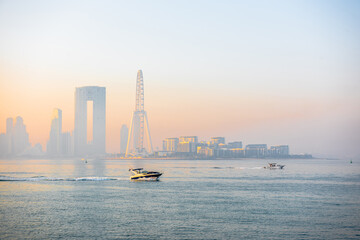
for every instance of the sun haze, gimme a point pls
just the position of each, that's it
(276, 72)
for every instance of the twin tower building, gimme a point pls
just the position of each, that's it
(96, 145)
(139, 139)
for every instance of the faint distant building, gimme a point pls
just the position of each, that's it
(66, 144)
(98, 144)
(205, 152)
(54, 145)
(234, 145)
(187, 144)
(36, 150)
(170, 144)
(217, 140)
(256, 150)
(186, 147)
(279, 151)
(234, 150)
(20, 137)
(237, 152)
(9, 125)
(3, 144)
(38, 147)
(16, 139)
(193, 139)
(9, 136)
(124, 132)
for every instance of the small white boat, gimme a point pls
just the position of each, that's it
(140, 174)
(274, 166)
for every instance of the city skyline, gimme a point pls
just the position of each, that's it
(15, 142)
(89, 98)
(282, 73)
(88, 136)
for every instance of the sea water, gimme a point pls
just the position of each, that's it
(194, 199)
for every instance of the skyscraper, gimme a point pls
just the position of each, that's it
(20, 137)
(124, 132)
(67, 144)
(139, 140)
(9, 126)
(3, 144)
(54, 145)
(97, 145)
(9, 136)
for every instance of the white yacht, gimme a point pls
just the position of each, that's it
(140, 174)
(274, 166)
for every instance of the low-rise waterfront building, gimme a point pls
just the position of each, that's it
(193, 139)
(170, 144)
(186, 147)
(234, 144)
(204, 151)
(279, 151)
(256, 150)
(217, 140)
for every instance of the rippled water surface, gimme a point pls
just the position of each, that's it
(202, 199)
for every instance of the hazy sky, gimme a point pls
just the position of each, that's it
(275, 72)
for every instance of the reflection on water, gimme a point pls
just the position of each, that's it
(25, 187)
(212, 199)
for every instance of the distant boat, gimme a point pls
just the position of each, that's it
(274, 166)
(140, 174)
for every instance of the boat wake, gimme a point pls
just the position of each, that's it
(217, 167)
(253, 168)
(242, 168)
(43, 178)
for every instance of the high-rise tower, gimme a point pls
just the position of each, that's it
(54, 143)
(139, 140)
(124, 134)
(21, 137)
(97, 97)
(10, 135)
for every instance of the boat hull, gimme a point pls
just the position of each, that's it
(275, 167)
(153, 177)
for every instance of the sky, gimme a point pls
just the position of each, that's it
(274, 72)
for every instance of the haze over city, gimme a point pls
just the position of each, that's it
(260, 72)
